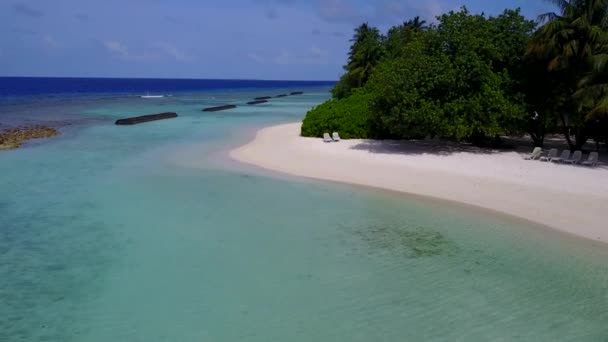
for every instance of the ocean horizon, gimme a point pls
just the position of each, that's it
(23, 86)
(152, 233)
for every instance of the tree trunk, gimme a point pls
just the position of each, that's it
(497, 143)
(536, 131)
(478, 138)
(566, 130)
(538, 139)
(580, 138)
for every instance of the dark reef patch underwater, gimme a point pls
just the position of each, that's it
(411, 242)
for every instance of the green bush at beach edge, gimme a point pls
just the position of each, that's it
(349, 116)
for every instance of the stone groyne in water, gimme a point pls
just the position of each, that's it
(146, 118)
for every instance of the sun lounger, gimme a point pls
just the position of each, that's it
(326, 138)
(575, 159)
(592, 159)
(564, 156)
(335, 136)
(552, 154)
(536, 153)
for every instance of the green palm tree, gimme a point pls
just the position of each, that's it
(362, 33)
(572, 41)
(416, 24)
(399, 36)
(364, 54)
(592, 95)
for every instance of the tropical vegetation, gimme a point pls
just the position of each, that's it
(472, 77)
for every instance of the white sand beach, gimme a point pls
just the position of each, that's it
(573, 199)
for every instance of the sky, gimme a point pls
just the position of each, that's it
(235, 39)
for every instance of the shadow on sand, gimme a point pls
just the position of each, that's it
(522, 145)
(413, 147)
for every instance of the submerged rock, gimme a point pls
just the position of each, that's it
(257, 102)
(218, 108)
(146, 118)
(410, 241)
(15, 137)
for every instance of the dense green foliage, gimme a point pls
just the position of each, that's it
(398, 36)
(575, 43)
(350, 116)
(364, 55)
(446, 82)
(469, 76)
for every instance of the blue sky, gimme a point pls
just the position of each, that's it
(253, 39)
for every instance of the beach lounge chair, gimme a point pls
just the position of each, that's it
(326, 138)
(592, 159)
(575, 159)
(335, 136)
(552, 154)
(536, 153)
(564, 156)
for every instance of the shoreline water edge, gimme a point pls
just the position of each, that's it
(568, 199)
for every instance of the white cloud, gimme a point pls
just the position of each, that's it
(155, 51)
(378, 12)
(317, 32)
(317, 52)
(256, 57)
(433, 10)
(116, 48)
(49, 41)
(121, 50)
(314, 56)
(24, 31)
(25, 9)
(283, 58)
(173, 52)
(82, 17)
(339, 10)
(272, 13)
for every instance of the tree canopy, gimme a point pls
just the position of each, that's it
(363, 56)
(574, 43)
(468, 76)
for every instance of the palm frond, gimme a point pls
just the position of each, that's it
(546, 17)
(600, 110)
(561, 4)
(599, 63)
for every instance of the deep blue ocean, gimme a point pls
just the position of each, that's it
(24, 86)
(152, 233)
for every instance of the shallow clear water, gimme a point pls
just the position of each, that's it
(149, 233)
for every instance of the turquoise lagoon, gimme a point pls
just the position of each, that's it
(150, 233)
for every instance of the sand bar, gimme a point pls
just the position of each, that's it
(569, 198)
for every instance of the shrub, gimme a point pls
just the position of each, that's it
(350, 117)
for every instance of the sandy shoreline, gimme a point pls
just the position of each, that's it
(571, 199)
